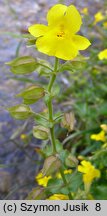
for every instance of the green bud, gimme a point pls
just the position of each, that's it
(36, 194)
(51, 165)
(23, 65)
(20, 111)
(32, 94)
(71, 161)
(40, 132)
(68, 121)
(31, 42)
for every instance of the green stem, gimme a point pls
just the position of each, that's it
(65, 182)
(50, 107)
(50, 110)
(53, 77)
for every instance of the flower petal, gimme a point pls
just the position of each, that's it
(51, 45)
(38, 30)
(103, 54)
(66, 50)
(56, 14)
(81, 169)
(58, 197)
(73, 19)
(81, 42)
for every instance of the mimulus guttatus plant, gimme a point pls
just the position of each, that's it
(60, 39)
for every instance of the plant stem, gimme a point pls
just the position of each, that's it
(53, 77)
(66, 183)
(50, 107)
(50, 110)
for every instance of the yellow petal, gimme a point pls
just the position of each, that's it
(58, 197)
(38, 30)
(51, 45)
(81, 169)
(66, 50)
(103, 54)
(81, 42)
(86, 163)
(97, 173)
(98, 17)
(56, 14)
(73, 19)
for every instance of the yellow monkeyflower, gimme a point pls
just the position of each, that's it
(103, 54)
(58, 197)
(104, 127)
(98, 17)
(84, 11)
(89, 172)
(42, 180)
(23, 136)
(105, 24)
(58, 175)
(99, 137)
(59, 37)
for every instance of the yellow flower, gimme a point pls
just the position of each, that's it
(103, 54)
(58, 197)
(98, 17)
(23, 136)
(59, 38)
(99, 137)
(84, 11)
(105, 24)
(42, 180)
(65, 172)
(89, 172)
(104, 127)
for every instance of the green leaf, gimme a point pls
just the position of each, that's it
(99, 192)
(56, 91)
(102, 110)
(63, 155)
(20, 111)
(32, 94)
(66, 67)
(75, 181)
(54, 185)
(47, 150)
(17, 35)
(43, 120)
(23, 65)
(59, 145)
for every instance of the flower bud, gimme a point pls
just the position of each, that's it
(23, 65)
(20, 111)
(51, 165)
(68, 121)
(32, 94)
(40, 132)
